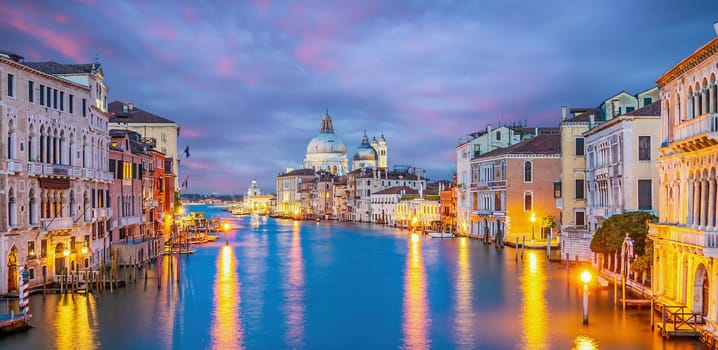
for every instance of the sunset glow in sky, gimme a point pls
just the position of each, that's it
(249, 83)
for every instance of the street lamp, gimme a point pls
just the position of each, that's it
(586, 279)
(533, 222)
(413, 223)
(225, 227)
(83, 250)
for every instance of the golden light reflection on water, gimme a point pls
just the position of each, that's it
(416, 322)
(72, 322)
(226, 328)
(295, 292)
(583, 342)
(464, 288)
(533, 313)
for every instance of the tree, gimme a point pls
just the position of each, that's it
(608, 239)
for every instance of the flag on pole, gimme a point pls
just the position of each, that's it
(186, 152)
(184, 183)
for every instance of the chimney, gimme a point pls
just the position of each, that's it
(563, 112)
(535, 131)
(615, 109)
(488, 129)
(715, 26)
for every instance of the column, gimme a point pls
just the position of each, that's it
(691, 202)
(704, 202)
(696, 202)
(711, 202)
(711, 100)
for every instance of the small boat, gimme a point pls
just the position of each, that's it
(169, 250)
(197, 239)
(440, 234)
(211, 238)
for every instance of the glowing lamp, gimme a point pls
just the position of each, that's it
(66, 252)
(586, 277)
(83, 249)
(225, 226)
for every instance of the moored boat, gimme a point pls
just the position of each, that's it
(440, 234)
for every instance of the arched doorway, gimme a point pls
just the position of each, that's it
(700, 291)
(12, 277)
(59, 259)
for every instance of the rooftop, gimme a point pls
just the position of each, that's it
(541, 144)
(118, 114)
(51, 67)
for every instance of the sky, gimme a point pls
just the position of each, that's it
(249, 81)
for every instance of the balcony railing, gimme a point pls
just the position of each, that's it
(688, 236)
(58, 223)
(128, 220)
(88, 173)
(34, 168)
(150, 203)
(14, 166)
(704, 123)
(101, 213)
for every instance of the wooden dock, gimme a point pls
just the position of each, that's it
(13, 323)
(670, 331)
(637, 303)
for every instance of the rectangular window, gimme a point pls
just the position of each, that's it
(579, 146)
(72, 244)
(11, 85)
(48, 97)
(111, 167)
(42, 95)
(475, 202)
(580, 218)
(647, 101)
(644, 148)
(528, 201)
(557, 189)
(630, 109)
(62, 100)
(30, 92)
(497, 201)
(84, 107)
(43, 248)
(54, 98)
(71, 104)
(31, 248)
(580, 189)
(645, 197)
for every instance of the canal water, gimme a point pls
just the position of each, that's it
(329, 285)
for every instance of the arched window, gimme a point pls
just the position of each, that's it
(11, 208)
(85, 206)
(528, 201)
(11, 140)
(528, 171)
(31, 209)
(73, 212)
(30, 150)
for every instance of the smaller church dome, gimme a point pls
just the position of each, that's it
(365, 152)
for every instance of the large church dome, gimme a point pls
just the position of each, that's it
(326, 151)
(326, 141)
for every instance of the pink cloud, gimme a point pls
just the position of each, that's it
(67, 46)
(191, 133)
(225, 66)
(62, 19)
(189, 14)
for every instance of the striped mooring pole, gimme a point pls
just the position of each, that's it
(24, 292)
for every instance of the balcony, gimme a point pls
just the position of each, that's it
(59, 223)
(601, 172)
(14, 166)
(128, 220)
(702, 124)
(706, 240)
(599, 211)
(150, 203)
(101, 213)
(75, 172)
(88, 173)
(34, 168)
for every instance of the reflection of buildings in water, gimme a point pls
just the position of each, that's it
(295, 292)
(415, 317)
(72, 322)
(533, 311)
(464, 313)
(226, 329)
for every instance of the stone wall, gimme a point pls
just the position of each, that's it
(576, 243)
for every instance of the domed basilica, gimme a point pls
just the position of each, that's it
(327, 152)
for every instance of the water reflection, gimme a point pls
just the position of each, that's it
(295, 291)
(464, 317)
(74, 317)
(416, 322)
(226, 326)
(533, 313)
(583, 342)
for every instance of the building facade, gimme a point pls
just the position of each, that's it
(53, 168)
(291, 195)
(686, 234)
(512, 185)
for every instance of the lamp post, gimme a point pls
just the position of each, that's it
(586, 279)
(533, 224)
(225, 227)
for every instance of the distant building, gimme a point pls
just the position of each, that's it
(513, 184)
(157, 131)
(255, 201)
(291, 195)
(384, 203)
